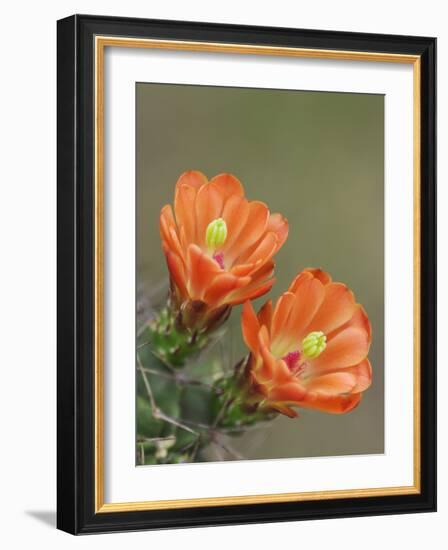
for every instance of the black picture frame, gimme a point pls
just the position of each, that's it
(76, 273)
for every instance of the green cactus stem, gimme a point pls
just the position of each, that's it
(169, 342)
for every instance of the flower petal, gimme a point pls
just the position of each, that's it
(168, 231)
(184, 200)
(187, 187)
(284, 409)
(201, 271)
(323, 276)
(278, 225)
(250, 292)
(335, 383)
(346, 349)
(208, 207)
(309, 294)
(358, 320)
(227, 185)
(250, 234)
(265, 315)
(298, 280)
(222, 285)
(177, 271)
(265, 249)
(166, 222)
(290, 392)
(261, 283)
(250, 327)
(245, 269)
(337, 308)
(282, 311)
(337, 405)
(266, 371)
(363, 374)
(235, 214)
(192, 178)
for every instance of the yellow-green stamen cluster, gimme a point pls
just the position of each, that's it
(216, 234)
(314, 344)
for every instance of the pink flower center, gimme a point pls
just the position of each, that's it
(292, 359)
(219, 259)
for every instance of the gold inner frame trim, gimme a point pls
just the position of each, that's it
(101, 42)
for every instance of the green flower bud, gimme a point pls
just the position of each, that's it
(216, 234)
(314, 344)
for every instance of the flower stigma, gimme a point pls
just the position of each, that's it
(314, 344)
(216, 234)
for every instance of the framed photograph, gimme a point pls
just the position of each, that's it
(246, 274)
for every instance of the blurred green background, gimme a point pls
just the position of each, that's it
(316, 157)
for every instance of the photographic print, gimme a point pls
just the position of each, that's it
(260, 274)
(246, 274)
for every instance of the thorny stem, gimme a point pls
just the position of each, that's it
(231, 451)
(180, 378)
(155, 439)
(158, 413)
(227, 448)
(231, 398)
(223, 410)
(202, 432)
(140, 346)
(195, 450)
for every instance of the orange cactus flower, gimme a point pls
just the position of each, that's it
(218, 245)
(311, 349)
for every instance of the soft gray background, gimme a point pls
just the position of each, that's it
(318, 159)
